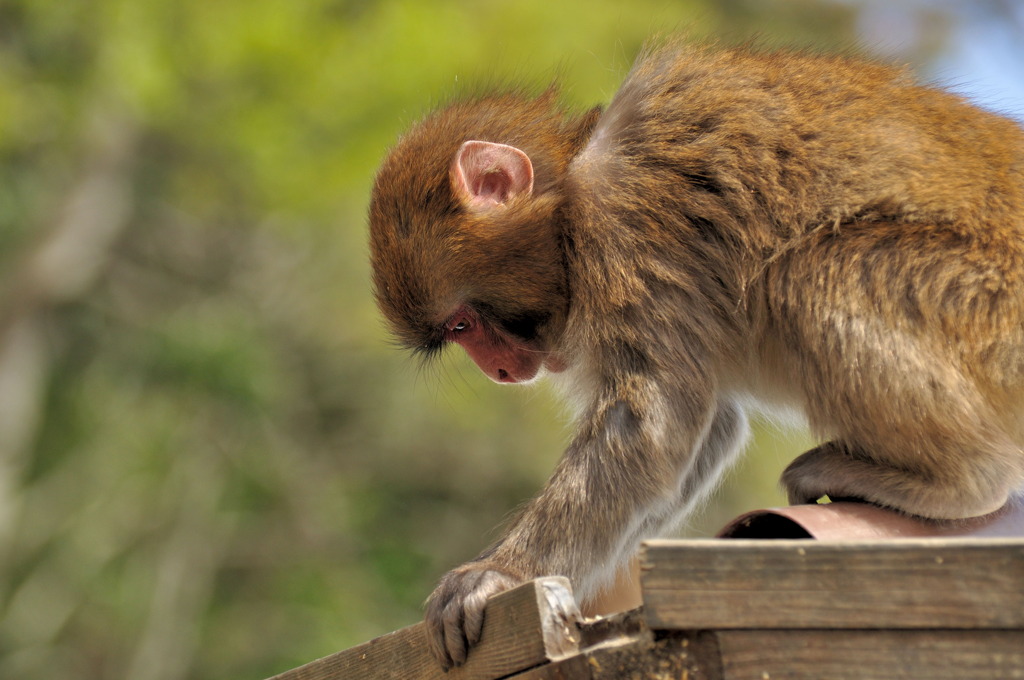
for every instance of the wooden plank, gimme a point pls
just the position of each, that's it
(872, 654)
(523, 627)
(689, 655)
(915, 583)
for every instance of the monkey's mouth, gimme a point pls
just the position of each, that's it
(551, 363)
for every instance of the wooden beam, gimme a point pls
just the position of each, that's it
(523, 627)
(628, 654)
(877, 654)
(919, 583)
(798, 655)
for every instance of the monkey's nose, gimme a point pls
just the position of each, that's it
(503, 376)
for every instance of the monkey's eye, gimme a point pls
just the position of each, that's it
(459, 324)
(462, 320)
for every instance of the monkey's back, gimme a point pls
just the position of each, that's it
(792, 141)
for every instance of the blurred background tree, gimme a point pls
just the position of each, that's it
(212, 461)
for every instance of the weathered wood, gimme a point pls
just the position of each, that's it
(935, 609)
(524, 627)
(689, 655)
(922, 583)
(872, 654)
(796, 655)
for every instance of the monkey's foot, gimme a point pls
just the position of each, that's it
(833, 470)
(840, 472)
(455, 610)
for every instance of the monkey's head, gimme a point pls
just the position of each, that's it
(464, 237)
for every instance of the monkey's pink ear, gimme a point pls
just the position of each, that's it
(486, 175)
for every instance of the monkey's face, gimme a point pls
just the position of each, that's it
(465, 253)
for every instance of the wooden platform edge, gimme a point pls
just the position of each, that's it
(931, 583)
(530, 625)
(928, 609)
(805, 654)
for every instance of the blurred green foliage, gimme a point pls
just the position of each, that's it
(212, 461)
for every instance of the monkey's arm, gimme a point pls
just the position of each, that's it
(641, 456)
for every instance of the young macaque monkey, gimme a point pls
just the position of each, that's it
(737, 230)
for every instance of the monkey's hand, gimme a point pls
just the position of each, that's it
(455, 610)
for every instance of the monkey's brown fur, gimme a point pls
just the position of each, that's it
(739, 229)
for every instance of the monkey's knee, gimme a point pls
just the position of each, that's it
(837, 470)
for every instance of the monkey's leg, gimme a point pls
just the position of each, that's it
(890, 347)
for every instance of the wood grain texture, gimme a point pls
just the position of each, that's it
(920, 583)
(523, 628)
(872, 654)
(689, 655)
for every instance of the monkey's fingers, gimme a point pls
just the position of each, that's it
(455, 613)
(487, 583)
(444, 634)
(456, 646)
